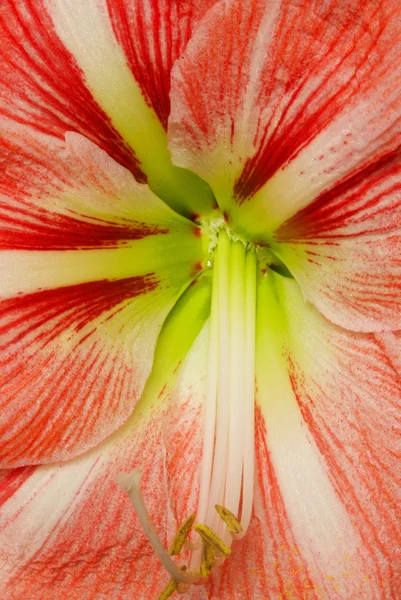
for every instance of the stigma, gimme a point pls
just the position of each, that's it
(227, 466)
(213, 550)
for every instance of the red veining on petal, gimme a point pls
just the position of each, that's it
(49, 347)
(352, 38)
(57, 196)
(288, 568)
(345, 248)
(12, 481)
(153, 35)
(288, 83)
(79, 304)
(95, 544)
(43, 87)
(33, 228)
(364, 203)
(353, 420)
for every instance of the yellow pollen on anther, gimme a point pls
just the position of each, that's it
(211, 538)
(207, 559)
(181, 536)
(233, 525)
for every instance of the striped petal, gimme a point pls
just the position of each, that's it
(87, 67)
(293, 97)
(91, 264)
(68, 530)
(344, 249)
(329, 476)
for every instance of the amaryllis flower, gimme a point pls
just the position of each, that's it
(201, 299)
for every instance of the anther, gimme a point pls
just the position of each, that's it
(211, 538)
(207, 559)
(233, 525)
(181, 536)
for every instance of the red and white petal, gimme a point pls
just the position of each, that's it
(292, 98)
(344, 249)
(65, 70)
(331, 406)
(69, 531)
(91, 264)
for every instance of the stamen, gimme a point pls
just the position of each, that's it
(227, 468)
(233, 525)
(210, 402)
(212, 539)
(214, 550)
(181, 536)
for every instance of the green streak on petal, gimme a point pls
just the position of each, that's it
(281, 315)
(182, 326)
(270, 316)
(184, 191)
(292, 260)
(172, 256)
(271, 326)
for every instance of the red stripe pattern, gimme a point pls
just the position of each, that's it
(72, 365)
(353, 413)
(260, 84)
(348, 390)
(59, 196)
(92, 545)
(366, 204)
(42, 86)
(66, 379)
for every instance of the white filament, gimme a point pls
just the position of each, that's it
(210, 403)
(249, 393)
(217, 486)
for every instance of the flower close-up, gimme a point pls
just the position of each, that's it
(200, 299)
